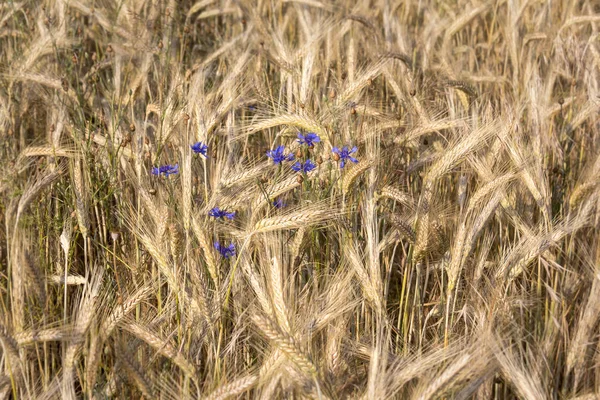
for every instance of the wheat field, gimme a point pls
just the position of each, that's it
(289, 199)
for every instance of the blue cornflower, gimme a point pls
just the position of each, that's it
(344, 155)
(309, 139)
(278, 203)
(226, 251)
(306, 167)
(200, 148)
(166, 170)
(278, 156)
(218, 213)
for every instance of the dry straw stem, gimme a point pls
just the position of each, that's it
(106, 328)
(576, 356)
(245, 174)
(158, 253)
(369, 285)
(535, 245)
(106, 23)
(210, 310)
(235, 388)
(285, 344)
(87, 309)
(157, 212)
(338, 298)
(461, 22)
(299, 121)
(43, 180)
(369, 73)
(124, 152)
(71, 280)
(353, 173)
(477, 214)
(311, 215)
(186, 183)
(445, 378)
(245, 76)
(587, 185)
(296, 246)
(526, 378)
(470, 142)
(207, 249)
(48, 151)
(277, 189)
(11, 350)
(408, 137)
(287, 184)
(452, 157)
(81, 199)
(537, 187)
(277, 299)
(47, 82)
(396, 195)
(37, 280)
(63, 333)
(135, 372)
(162, 346)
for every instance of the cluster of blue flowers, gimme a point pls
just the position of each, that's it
(278, 156)
(220, 214)
(309, 139)
(166, 170)
(278, 203)
(200, 148)
(306, 167)
(344, 155)
(226, 251)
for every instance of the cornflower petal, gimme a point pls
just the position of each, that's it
(200, 148)
(165, 170)
(309, 139)
(344, 155)
(309, 166)
(278, 155)
(225, 252)
(218, 213)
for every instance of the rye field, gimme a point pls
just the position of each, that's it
(300, 199)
